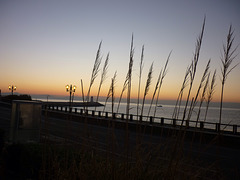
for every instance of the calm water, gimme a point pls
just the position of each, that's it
(230, 113)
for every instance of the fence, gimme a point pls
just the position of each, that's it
(156, 121)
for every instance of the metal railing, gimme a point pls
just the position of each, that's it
(156, 121)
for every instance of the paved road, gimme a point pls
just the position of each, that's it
(155, 149)
(105, 138)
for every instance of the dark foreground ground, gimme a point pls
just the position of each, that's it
(74, 148)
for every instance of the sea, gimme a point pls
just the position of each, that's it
(164, 109)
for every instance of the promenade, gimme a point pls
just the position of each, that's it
(95, 130)
(204, 151)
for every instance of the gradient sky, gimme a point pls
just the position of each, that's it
(47, 44)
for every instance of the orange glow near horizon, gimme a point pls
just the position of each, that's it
(230, 95)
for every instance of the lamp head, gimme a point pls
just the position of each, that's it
(74, 88)
(67, 88)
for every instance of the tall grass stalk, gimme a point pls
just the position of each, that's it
(82, 90)
(193, 68)
(83, 98)
(110, 89)
(180, 95)
(210, 93)
(161, 81)
(129, 86)
(147, 86)
(154, 92)
(139, 80)
(202, 97)
(123, 89)
(200, 106)
(103, 75)
(126, 83)
(129, 82)
(205, 75)
(192, 71)
(227, 59)
(113, 90)
(95, 70)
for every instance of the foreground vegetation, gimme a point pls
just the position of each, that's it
(54, 161)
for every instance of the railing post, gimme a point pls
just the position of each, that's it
(162, 121)
(174, 122)
(61, 108)
(131, 117)
(86, 112)
(187, 123)
(217, 127)
(122, 117)
(70, 109)
(106, 114)
(151, 119)
(66, 109)
(234, 129)
(81, 111)
(75, 110)
(99, 113)
(93, 113)
(201, 124)
(140, 118)
(114, 115)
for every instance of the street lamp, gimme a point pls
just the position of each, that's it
(12, 88)
(71, 89)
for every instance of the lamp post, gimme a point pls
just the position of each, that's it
(12, 88)
(71, 89)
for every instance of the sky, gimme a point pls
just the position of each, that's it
(47, 44)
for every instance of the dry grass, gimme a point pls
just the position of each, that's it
(210, 93)
(95, 69)
(180, 95)
(111, 90)
(103, 76)
(193, 68)
(128, 81)
(163, 74)
(204, 76)
(227, 59)
(140, 79)
(147, 86)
